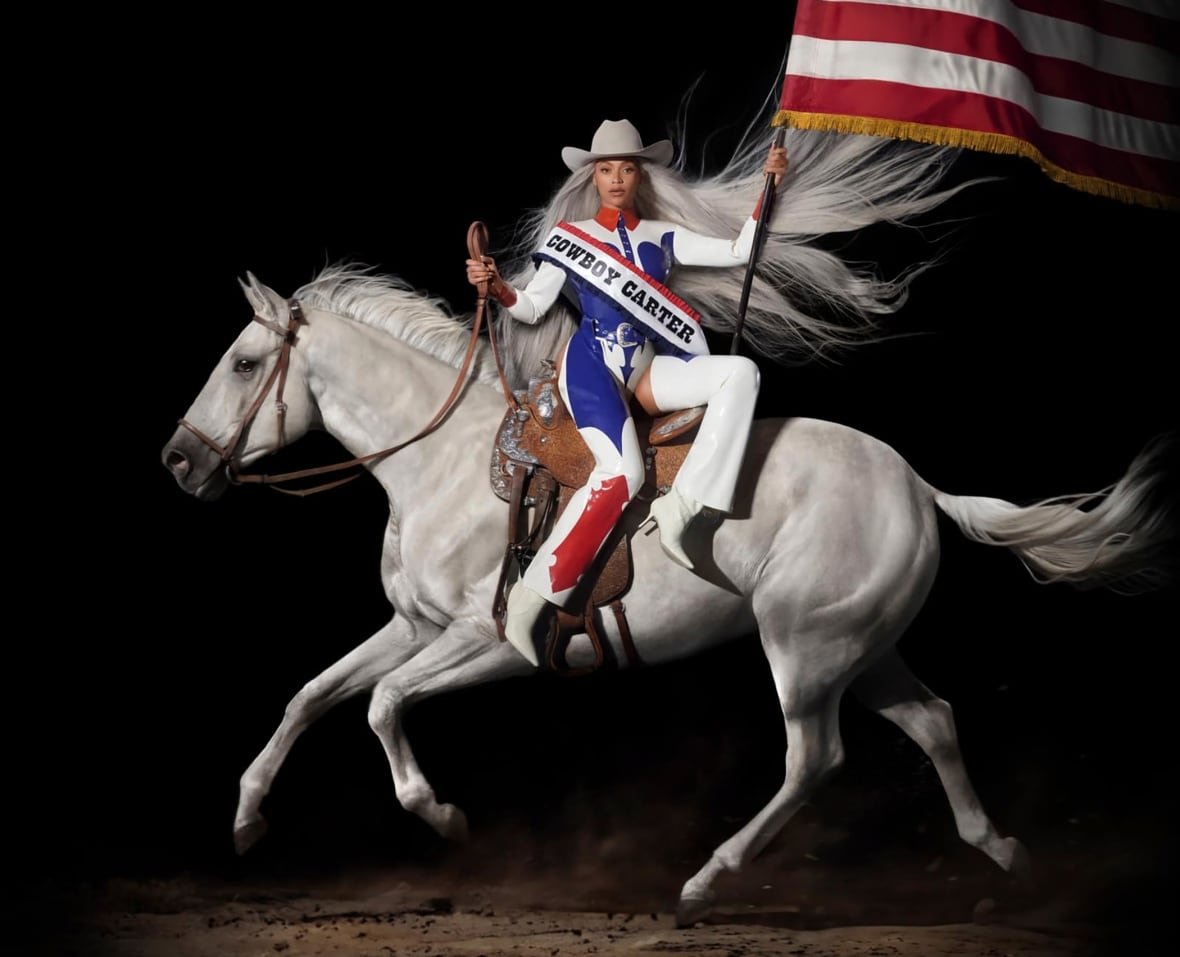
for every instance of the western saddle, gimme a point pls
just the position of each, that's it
(538, 462)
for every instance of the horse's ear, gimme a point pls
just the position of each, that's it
(267, 303)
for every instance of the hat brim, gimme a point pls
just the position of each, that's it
(660, 153)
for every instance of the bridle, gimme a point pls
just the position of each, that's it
(289, 335)
(476, 244)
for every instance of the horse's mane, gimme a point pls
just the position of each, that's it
(390, 304)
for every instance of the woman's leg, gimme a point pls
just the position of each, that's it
(728, 386)
(599, 410)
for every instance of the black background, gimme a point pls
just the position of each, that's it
(165, 636)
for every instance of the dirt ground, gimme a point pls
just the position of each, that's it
(178, 920)
(815, 910)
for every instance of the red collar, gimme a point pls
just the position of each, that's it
(609, 218)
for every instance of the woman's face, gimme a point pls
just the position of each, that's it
(617, 181)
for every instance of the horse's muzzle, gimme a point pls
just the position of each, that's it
(196, 468)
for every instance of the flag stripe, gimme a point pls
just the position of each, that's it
(952, 75)
(1085, 86)
(1118, 20)
(988, 39)
(985, 115)
(1107, 18)
(930, 22)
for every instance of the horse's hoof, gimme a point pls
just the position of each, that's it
(1020, 866)
(1019, 861)
(249, 834)
(453, 824)
(692, 909)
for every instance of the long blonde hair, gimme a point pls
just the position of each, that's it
(805, 301)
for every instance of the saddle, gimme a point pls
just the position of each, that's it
(538, 462)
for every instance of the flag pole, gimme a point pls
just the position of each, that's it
(759, 236)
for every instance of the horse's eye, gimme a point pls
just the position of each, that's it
(245, 366)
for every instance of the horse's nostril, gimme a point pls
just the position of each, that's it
(176, 462)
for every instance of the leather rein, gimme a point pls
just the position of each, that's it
(477, 236)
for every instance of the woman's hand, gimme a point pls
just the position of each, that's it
(483, 270)
(776, 163)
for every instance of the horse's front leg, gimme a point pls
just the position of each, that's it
(356, 672)
(467, 653)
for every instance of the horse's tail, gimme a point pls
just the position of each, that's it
(1126, 541)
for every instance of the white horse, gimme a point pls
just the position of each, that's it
(829, 554)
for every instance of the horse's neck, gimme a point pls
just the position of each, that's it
(374, 391)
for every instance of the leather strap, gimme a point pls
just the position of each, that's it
(520, 474)
(629, 648)
(564, 624)
(477, 244)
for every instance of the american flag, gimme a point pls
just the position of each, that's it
(1088, 90)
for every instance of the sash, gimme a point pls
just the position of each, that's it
(651, 303)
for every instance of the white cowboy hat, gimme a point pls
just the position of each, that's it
(617, 138)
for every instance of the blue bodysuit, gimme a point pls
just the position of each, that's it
(601, 365)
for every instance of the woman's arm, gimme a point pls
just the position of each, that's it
(693, 249)
(527, 305)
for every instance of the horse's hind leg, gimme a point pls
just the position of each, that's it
(890, 689)
(814, 751)
(356, 672)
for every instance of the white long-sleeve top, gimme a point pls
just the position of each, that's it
(654, 246)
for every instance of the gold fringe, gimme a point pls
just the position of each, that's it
(974, 140)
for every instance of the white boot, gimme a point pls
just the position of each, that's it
(728, 388)
(524, 608)
(673, 514)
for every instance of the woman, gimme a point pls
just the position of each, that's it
(806, 302)
(635, 338)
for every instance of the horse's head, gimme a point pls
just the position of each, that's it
(255, 401)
